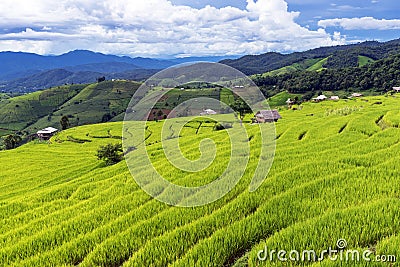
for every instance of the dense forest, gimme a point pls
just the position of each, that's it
(339, 56)
(379, 76)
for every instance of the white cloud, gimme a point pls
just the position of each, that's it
(364, 23)
(155, 28)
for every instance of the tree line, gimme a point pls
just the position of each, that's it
(379, 76)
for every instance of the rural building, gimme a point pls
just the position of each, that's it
(356, 95)
(46, 133)
(267, 116)
(208, 112)
(289, 102)
(334, 97)
(396, 89)
(320, 98)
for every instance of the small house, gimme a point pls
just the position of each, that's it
(289, 102)
(334, 98)
(396, 89)
(208, 112)
(46, 133)
(263, 116)
(320, 98)
(356, 95)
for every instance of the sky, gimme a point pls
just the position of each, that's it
(181, 28)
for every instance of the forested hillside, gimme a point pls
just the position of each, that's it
(339, 57)
(377, 77)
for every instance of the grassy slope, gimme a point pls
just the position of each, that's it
(84, 104)
(318, 65)
(303, 65)
(60, 206)
(281, 98)
(16, 113)
(363, 60)
(92, 103)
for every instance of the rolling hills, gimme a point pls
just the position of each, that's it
(26, 72)
(335, 176)
(83, 104)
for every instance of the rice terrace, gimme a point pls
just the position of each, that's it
(61, 207)
(181, 133)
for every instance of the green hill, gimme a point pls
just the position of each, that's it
(281, 98)
(335, 176)
(19, 112)
(343, 56)
(83, 104)
(363, 60)
(373, 78)
(319, 65)
(89, 104)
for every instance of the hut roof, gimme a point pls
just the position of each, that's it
(269, 114)
(48, 130)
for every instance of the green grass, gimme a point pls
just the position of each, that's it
(318, 66)
(363, 60)
(83, 104)
(4, 96)
(60, 206)
(307, 64)
(18, 112)
(281, 98)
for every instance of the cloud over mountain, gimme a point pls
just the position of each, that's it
(154, 28)
(364, 23)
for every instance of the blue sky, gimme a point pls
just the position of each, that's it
(312, 11)
(178, 28)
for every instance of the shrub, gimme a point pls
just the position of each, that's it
(110, 153)
(223, 126)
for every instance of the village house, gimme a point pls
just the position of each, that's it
(319, 98)
(396, 89)
(289, 102)
(263, 116)
(334, 98)
(356, 95)
(208, 112)
(46, 133)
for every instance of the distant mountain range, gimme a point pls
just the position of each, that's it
(26, 72)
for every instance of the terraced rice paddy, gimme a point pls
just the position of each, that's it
(336, 175)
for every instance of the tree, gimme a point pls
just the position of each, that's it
(106, 117)
(110, 153)
(11, 141)
(64, 122)
(159, 113)
(241, 107)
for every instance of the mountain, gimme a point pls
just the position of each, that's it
(75, 75)
(17, 64)
(27, 72)
(82, 103)
(107, 67)
(204, 59)
(373, 78)
(336, 57)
